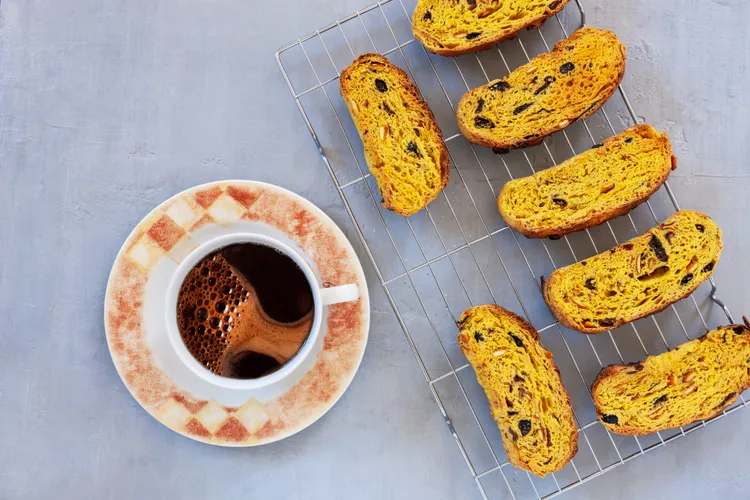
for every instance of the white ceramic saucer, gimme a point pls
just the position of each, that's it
(135, 321)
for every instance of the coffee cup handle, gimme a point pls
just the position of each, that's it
(336, 294)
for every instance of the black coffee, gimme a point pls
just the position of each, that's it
(245, 310)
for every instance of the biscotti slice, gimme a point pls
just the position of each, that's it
(403, 145)
(606, 181)
(523, 386)
(545, 95)
(451, 28)
(694, 381)
(638, 278)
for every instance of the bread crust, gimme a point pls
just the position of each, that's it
(500, 311)
(433, 45)
(597, 218)
(514, 457)
(409, 88)
(616, 369)
(567, 323)
(524, 143)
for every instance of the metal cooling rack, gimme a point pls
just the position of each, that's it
(458, 252)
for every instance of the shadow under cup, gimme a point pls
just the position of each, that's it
(245, 310)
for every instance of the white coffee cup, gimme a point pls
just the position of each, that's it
(321, 297)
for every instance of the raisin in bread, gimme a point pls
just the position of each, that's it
(545, 95)
(608, 180)
(455, 27)
(523, 386)
(638, 278)
(403, 145)
(694, 381)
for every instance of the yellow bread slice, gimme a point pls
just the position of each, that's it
(638, 278)
(694, 381)
(454, 27)
(602, 183)
(547, 94)
(403, 145)
(523, 386)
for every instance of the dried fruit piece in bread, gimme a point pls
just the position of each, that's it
(523, 386)
(597, 185)
(403, 145)
(456, 27)
(547, 94)
(638, 278)
(694, 381)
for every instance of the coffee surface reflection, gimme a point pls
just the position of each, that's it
(245, 310)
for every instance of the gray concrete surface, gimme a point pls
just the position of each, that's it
(109, 107)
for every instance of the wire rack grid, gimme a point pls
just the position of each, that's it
(458, 252)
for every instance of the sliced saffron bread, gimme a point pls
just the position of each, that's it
(694, 381)
(403, 145)
(638, 278)
(604, 182)
(547, 94)
(523, 386)
(455, 27)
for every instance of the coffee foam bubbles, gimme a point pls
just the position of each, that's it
(209, 308)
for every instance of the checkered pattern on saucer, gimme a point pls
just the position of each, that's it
(166, 234)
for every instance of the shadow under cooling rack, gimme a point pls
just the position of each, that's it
(458, 252)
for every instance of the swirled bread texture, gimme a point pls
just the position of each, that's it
(403, 145)
(593, 187)
(638, 278)
(523, 386)
(454, 27)
(694, 381)
(545, 95)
